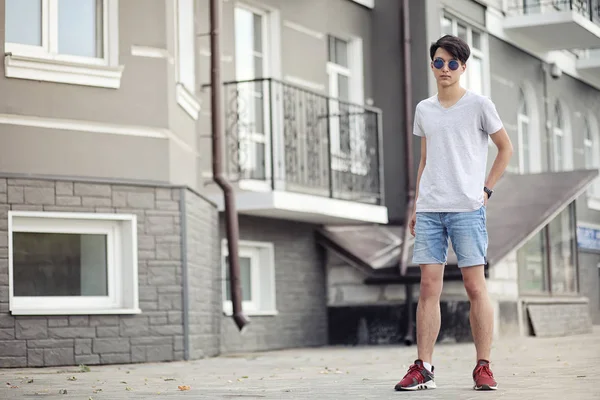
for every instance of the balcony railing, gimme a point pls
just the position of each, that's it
(301, 141)
(590, 9)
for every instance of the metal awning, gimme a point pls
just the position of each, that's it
(521, 206)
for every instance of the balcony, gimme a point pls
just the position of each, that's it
(555, 24)
(300, 155)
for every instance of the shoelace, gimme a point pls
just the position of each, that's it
(486, 369)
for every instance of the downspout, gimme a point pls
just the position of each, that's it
(410, 191)
(231, 219)
(408, 121)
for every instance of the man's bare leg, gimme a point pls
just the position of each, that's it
(428, 310)
(481, 315)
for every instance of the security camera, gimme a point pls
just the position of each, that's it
(555, 71)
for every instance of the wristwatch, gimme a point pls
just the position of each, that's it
(488, 191)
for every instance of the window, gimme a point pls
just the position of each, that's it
(532, 262)
(523, 128)
(257, 278)
(186, 57)
(68, 41)
(68, 263)
(563, 242)
(475, 76)
(550, 270)
(347, 116)
(252, 63)
(591, 146)
(563, 158)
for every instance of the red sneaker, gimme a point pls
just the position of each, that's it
(483, 376)
(417, 378)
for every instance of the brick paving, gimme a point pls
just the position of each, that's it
(526, 368)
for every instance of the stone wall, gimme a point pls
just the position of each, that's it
(301, 318)
(154, 335)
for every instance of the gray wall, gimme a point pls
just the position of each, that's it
(154, 335)
(300, 290)
(204, 293)
(145, 99)
(589, 282)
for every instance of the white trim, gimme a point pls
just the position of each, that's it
(366, 3)
(305, 207)
(319, 87)
(81, 126)
(93, 127)
(303, 29)
(187, 101)
(47, 70)
(151, 52)
(262, 280)
(564, 60)
(593, 203)
(121, 261)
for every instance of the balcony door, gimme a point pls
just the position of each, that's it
(251, 65)
(347, 122)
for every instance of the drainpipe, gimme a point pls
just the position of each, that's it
(231, 219)
(408, 121)
(410, 190)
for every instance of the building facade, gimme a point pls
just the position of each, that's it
(113, 247)
(543, 220)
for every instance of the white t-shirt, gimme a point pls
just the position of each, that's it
(457, 148)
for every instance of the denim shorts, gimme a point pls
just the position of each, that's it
(466, 230)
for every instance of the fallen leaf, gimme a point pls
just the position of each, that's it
(14, 387)
(581, 376)
(169, 379)
(128, 389)
(30, 381)
(62, 391)
(97, 390)
(71, 378)
(183, 387)
(245, 377)
(124, 382)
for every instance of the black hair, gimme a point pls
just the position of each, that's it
(454, 45)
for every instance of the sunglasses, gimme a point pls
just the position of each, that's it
(452, 64)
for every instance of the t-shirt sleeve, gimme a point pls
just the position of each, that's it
(417, 124)
(490, 120)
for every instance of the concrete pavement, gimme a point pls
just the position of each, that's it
(526, 368)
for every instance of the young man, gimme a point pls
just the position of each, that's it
(452, 195)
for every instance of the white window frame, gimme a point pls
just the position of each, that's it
(522, 118)
(44, 63)
(271, 58)
(354, 73)
(482, 54)
(594, 145)
(121, 232)
(567, 140)
(185, 50)
(262, 275)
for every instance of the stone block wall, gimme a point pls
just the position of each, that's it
(300, 287)
(157, 334)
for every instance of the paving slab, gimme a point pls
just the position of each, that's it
(525, 368)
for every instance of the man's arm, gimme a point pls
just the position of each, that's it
(422, 163)
(505, 151)
(421, 168)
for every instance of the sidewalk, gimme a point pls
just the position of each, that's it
(526, 369)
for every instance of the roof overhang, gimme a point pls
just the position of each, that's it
(521, 206)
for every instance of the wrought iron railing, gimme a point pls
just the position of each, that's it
(302, 141)
(590, 9)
